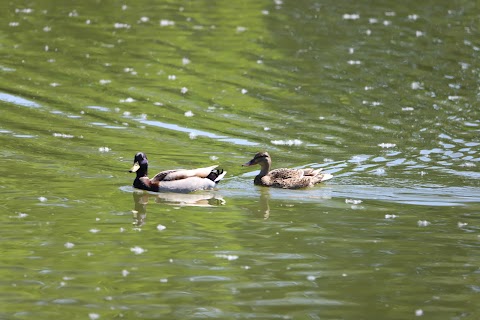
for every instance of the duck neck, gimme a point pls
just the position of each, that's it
(264, 167)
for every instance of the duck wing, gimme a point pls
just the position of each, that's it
(294, 178)
(179, 174)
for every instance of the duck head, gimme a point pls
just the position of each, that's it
(261, 158)
(140, 164)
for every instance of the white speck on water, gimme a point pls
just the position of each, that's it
(416, 85)
(368, 32)
(407, 109)
(144, 19)
(294, 142)
(353, 201)
(368, 88)
(353, 16)
(62, 135)
(172, 77)
(42, 199)
(104, 149)
(127, 100)
(372, 20)
(246, 267)
(47, 29)
(259, 61)
(124, 7)
(453, 98)
(354, 62)
(185, 61)
(462, 224)
(122, 229)
(73, 13)
(69, 245)
(265, 12)
(229, 257)
(119, 25)
(351, 50)
(14, 24)
(188, 114)
(94, 230)
(137, 250)
(94, 316)
(164, 280)
(419, 312)
(241, 29)
(266, 129)
(213, 158)
(22, 215)
(97, 219)
(244, 91)
(125, 272)
(423, 223)
(161, 227)
(390, 13)
(344, 274)
(104, 81)
(89, 254)
(412, 17)
(311, 278)
(54, 84)
(184, 90)
(387, 22)
(192, 135)
(387, 145)
(170, 260)
(419, 33)
(390, 216)
(166, 23)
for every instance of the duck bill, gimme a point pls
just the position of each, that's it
(248, 164)
(135, 167)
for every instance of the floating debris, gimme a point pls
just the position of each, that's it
(69, 245)
(423, 223)
(390, 216)
(161, 227)
(104, 149)
(184, 90)
(353, 16)
(229, 257)
(42, 199)
(137, 250)
(419, 312)
(294, 142)
(166, 23)
(353, 201)
(387, 145)
(189, 114)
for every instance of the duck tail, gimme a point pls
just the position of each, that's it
(216, 175)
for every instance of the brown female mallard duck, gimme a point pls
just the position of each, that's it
(284, 178)
(177, 180)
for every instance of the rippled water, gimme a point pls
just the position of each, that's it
(383, 96)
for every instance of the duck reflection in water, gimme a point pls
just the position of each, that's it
(142, 198)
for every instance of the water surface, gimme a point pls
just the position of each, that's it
(383, 96)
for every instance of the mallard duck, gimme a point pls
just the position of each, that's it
(284, 178)
(178, 180)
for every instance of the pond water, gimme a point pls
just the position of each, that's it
(383, 95)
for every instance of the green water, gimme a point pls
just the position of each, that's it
(383, 95)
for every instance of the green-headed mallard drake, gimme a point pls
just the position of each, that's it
(178, 180)
(284, 178)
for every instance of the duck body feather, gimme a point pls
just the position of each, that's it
(177, 180)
